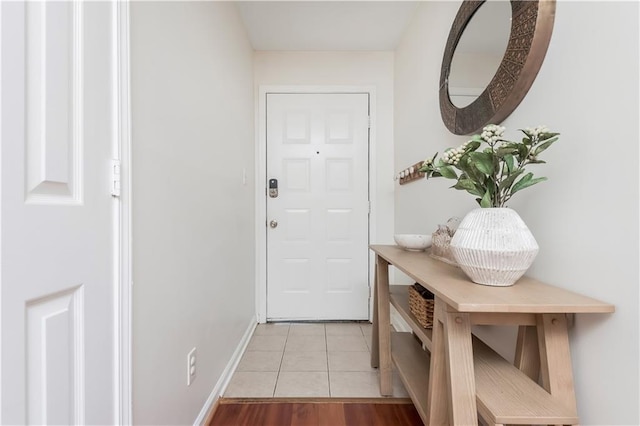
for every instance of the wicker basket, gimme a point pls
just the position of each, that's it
(421, 308)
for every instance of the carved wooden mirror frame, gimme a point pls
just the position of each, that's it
(531, 27)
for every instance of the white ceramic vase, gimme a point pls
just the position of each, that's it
(493, 246)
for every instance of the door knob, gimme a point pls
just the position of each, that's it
(273, 224)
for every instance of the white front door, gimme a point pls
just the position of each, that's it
(318, 224)
(57, 279)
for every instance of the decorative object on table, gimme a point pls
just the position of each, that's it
(441, 240)
(493, 247)
(410, 173)
(413, 242)
(421, 305)
(453, 223)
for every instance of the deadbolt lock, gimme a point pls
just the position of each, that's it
(273, 188)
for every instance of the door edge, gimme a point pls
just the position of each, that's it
(123, 275)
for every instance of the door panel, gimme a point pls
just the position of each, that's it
(52, 142)
(56, 282)
(317, 256)
(54, 357)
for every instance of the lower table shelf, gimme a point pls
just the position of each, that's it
(412, 364)
(505, 395)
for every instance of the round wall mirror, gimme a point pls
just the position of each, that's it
(471, 99)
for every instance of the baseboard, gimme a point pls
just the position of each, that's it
(226, 375)
(212, 411)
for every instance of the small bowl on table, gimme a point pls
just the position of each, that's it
(413, 242)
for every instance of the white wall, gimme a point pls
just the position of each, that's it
(193, 237)
(373, 69)
(585, 217)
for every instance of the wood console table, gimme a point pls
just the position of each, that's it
(459, 376)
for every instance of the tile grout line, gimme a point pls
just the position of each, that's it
(326, 349)
(275, 386)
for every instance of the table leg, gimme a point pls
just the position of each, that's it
(375, 349)
(460, 373)
(555, 358)
(437, 406)
(527, 357)
(384, 325)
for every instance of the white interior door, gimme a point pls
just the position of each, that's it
(318, 225)
(57, 296)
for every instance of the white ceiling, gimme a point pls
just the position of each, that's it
(326, 25)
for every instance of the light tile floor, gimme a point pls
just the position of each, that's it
(309, 360)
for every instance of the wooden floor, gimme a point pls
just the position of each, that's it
(329, 412)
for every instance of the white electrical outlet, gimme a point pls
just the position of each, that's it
(191, 366)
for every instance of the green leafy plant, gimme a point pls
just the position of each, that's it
(493, 174)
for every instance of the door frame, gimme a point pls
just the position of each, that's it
(261, 179)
